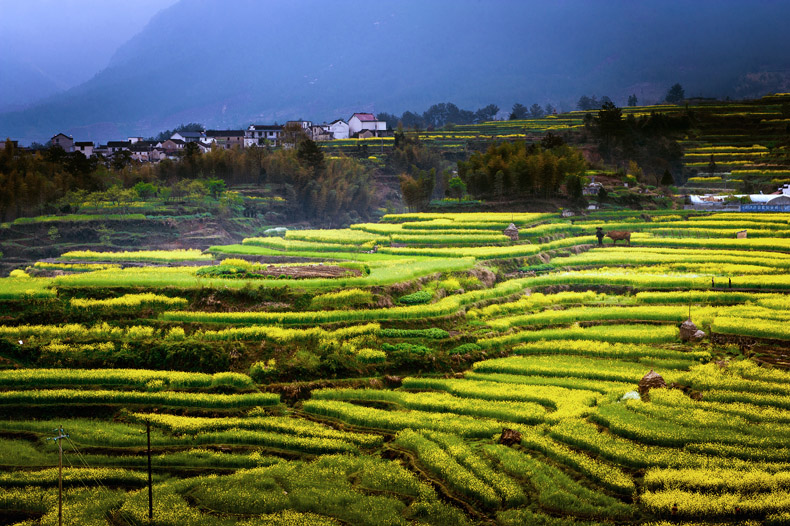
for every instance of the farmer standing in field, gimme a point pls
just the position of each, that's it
(599, 235)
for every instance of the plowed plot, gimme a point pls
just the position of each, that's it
(309, 271)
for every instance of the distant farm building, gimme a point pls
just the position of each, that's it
(592, 188)
(64, 141)
(360, 122)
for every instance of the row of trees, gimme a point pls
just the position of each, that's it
(519, 111)
(515, 168)
(442, 114)
(674, 95)
(439, 115)
(651, 141)
(330, 191)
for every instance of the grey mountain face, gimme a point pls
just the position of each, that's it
(232, 63)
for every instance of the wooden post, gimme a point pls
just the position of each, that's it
(61, 435)
(60, 483)
(150, 487)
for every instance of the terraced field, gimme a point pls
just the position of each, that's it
(377, 393)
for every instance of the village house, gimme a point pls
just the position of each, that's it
(593, 188)
(171, 145)
(366, 121)
(305, 125)
(64, 141)
(204, 147)
(84, 147)
(320, 133)
(188, 136)
(117, 146)
(146, 151)
(101, 150)
(339, 129)
(226, 139)
(262, 134)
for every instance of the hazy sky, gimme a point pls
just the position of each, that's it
(70, 40)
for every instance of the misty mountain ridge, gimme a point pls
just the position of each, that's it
(230, 64)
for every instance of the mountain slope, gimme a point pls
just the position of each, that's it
(231, 63)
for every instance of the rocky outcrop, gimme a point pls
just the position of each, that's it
(651, 380)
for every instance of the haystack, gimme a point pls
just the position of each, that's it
(690, 332)
(651, 380)
(512, 232)
(510, 437)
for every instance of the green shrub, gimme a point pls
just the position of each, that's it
(263, 371)
(406, 349)
(465, 348)
(416, 298)
(432, 333)
(371, 355)
(342, 299)
(237, 380)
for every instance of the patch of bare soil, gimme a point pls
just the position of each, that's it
(309, 271)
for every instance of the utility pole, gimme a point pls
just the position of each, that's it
(61, 435)
(150, 487)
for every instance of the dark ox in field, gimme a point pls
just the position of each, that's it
(619, 235)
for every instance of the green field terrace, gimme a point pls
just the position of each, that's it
(365, 375)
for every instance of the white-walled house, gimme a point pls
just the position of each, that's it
(188, 136)
(338, 129)
(366, 121)
(260, 134)
(85, 148)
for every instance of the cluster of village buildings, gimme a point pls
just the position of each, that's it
(360, 125)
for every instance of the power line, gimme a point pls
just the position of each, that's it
(61, 435)
(126, 517)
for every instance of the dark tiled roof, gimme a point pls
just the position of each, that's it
(265, 127)
(84, 143)
(189, 134)
(117, 144)
(63, 134)
(224, 133)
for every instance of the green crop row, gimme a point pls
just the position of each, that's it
(134, 378)
(168, 398)
(598, 349)
(565, 366)
(433, 333)
(509, 411)
(757, 328)
(129, 301)
(444, 307)
(276, 424)
(606, 333)
(556, 491)
(140, 255)
(368, 417)
(598, 313)
(25, 288)
(561, 402)
(73, 476)
(460, 478)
